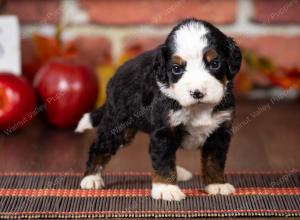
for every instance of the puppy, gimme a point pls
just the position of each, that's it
(181, 94)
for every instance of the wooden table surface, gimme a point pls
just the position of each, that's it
(267, 138)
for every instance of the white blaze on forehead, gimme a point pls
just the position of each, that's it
(190, 40)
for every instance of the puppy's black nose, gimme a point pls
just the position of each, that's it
(197, 94)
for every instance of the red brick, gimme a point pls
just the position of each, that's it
(277, 11)
(34, 10)
(282, 50)
(122, 12)
(142, 44)
(93, 50)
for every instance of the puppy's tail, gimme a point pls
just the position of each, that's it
(90, 120)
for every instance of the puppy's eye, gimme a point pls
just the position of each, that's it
(215, 64)
(177, 70)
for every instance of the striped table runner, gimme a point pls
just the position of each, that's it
(57, 195)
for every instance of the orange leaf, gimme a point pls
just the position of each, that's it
(282, 82)
(293, 73)
(46, 47)
(69, 51)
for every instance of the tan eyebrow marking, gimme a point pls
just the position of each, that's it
(210, 55)
(178, 60)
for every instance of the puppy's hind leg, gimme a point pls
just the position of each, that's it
(183, 174)
(106, 145)
(99, 155)
(92, 175)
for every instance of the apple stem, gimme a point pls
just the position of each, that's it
(58, 33)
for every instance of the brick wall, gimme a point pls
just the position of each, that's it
(102, 27)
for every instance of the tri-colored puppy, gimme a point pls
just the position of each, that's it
(181, 95)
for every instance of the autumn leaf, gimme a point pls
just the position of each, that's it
(48, 48)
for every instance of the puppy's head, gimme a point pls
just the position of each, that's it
(196, 62)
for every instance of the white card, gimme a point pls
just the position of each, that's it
(10, 54)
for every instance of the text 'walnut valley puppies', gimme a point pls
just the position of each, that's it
(181, 95)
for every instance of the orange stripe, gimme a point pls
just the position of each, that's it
(135, 192)
(280, 172)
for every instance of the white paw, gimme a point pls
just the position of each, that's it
(183, 174)
(218, 188)
(166, 192)
(84, 123)
(92, 182)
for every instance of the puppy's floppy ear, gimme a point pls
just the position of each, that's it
(159, 64)
(234, 59)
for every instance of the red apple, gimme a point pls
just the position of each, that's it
(17, 102)
(68, 90)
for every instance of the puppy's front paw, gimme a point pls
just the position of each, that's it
(166, 192)
(92, 182)
(183, 174)
(218, 188)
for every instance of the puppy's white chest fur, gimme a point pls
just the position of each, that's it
(199, 122)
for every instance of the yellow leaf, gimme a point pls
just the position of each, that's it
(104, 73)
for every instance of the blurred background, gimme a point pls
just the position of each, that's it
(57, 53)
